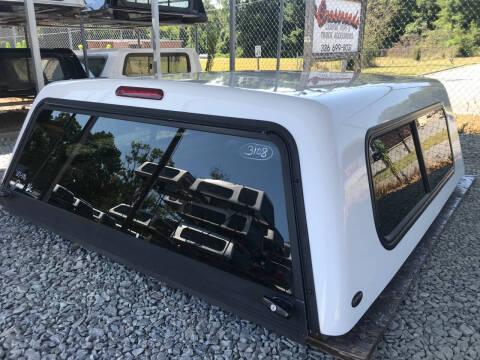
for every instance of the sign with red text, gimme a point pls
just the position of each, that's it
(336, 27)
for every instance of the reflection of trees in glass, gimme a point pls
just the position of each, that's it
(380, 147)
(217, 174)
(131, 183)
(47, 145)
(95, 166)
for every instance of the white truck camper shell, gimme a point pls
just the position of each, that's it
(367, 163)
(121, 63)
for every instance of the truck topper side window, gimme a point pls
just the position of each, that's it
(407, 165)
(214, 197)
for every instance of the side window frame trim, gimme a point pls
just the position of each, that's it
(390, 242)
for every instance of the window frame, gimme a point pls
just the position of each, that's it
(391, 240)
(147, 54)
(85, 231)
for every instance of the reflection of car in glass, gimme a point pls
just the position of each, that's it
(212, 243)
(118, 63)
(321, 202)
(62, 197)
(175, 181)
(121, 211)
(241, 197)
(103, 218)
(83, 208)
(16, 70)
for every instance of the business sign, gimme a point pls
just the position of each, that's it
(258, 51)
(336, 26)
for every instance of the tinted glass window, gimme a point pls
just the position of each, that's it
(96, 65)
(17, 73)
(435, 143)
(142, 64)
(197, 193)
(396, 177)
(52, 70)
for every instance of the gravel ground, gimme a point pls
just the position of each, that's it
(60, 301)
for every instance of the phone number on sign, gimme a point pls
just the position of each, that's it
(336, 48)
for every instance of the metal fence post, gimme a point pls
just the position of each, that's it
(14, 35)
(155, 40)
(84, 47)
(359, 59)
(233, 35)
(280, 33)
(34, 45)
(139, 43)
(70, 41)
(308, 39)
(196, 39)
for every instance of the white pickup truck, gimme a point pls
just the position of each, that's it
(118, 63)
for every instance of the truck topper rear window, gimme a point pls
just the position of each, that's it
(142, 64)
(214, 197)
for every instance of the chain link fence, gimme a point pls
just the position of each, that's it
(434, 38)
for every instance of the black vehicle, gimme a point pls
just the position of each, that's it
(17, 77)
(170, 11)
(132, 12)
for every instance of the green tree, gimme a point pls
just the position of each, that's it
(293, 28)
(212, 39)
(257, 24)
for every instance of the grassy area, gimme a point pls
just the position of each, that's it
(384, 65)
(292, 64)
(405, 66)
(469, 124)
(411, 157)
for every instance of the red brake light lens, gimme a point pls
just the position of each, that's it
(139, 92)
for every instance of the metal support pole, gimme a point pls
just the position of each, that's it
(233, 35)
(34, 45)
(84, 47)
(70, 41)
(139, 42)
(308, 39)
(280, 32)
(155, 40)
(363, 17)
(148, 185)
(196, 38)
(14, 35)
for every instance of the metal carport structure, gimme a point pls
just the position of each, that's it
(119, 12)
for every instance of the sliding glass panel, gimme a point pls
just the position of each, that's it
(396, 177)
(435, 142)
